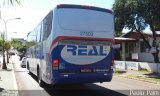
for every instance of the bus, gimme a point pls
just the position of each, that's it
(72, 45)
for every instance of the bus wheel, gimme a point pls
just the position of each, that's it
(28, 68)
(39, 76)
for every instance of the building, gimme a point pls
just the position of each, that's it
(133, 47)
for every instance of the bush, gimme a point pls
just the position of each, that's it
(143, 69)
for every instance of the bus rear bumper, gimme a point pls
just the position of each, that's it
(81, 78)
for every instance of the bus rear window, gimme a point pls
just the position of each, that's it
(85, 19)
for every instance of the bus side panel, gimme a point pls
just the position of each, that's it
(46, 62)
(32, 61)
(55, 72)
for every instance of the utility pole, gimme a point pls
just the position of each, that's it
(4, 38)
(3, 51)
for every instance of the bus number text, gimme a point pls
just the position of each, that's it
(86, 33)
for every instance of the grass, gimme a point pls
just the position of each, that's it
(143, 70)
(155, 80)
(116, 71)
(147, 79)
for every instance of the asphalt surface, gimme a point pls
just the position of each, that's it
(28, 86)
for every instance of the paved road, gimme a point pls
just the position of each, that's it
(28, 86)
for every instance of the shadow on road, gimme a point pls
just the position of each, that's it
(8, 69)
(152, 75)
(81, 90)
(120, 71)
(78, 90)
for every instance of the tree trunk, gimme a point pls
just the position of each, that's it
(144, 39)
(4, 61)
(7, 57)
(155, 55)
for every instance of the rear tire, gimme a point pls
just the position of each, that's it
(29, 72)
(39, 78)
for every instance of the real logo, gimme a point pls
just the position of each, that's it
(84, 50)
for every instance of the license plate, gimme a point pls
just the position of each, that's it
(86, 70)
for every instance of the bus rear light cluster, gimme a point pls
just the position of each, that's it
(55, 63)
(112, 62)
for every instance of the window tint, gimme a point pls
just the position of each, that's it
(38, 29)
(41, 32)
(47, 25)
(31, 38)
(88, 20)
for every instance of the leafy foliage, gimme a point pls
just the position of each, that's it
(137, 15)
(18, 45)
(10, 2)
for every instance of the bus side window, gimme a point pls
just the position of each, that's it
(47, 25)
(39, 33)
(31, 38)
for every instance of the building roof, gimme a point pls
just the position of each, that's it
(123, 38)
(118, 40)
(130, 37)
(136, 35)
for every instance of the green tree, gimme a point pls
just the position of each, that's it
(14, 43)
(137, 15)
(5, 45)
(3, 52)
(5, 48)
(10, 2)
(18, 45)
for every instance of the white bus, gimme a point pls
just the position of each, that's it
(71, 45)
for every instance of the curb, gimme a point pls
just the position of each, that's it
(138, 79)
(10, 81)
(15, 82)
(14, 79)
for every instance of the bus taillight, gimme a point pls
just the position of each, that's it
(55, 63)
(112, 62)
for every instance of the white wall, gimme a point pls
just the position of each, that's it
(159, 68)
(144, 56)
(158, 41)
(130, 65)
(120, 65)
(149, 66)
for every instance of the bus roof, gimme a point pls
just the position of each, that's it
(84, 7)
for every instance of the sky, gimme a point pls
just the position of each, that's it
(32, 12)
